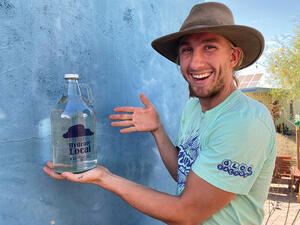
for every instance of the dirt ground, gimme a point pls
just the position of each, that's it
(282, 207)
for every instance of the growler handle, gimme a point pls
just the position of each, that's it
(89, 98)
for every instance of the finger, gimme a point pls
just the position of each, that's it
(128, 130)
(124, 109)
(121, 117)
(50, 164)
(122, 124)
(73, 177)
(52, 173)
(145, 100)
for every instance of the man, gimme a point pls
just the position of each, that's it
(224, 156)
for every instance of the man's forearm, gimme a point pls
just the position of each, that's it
(156, 204)
(197, 202)
(167, 150)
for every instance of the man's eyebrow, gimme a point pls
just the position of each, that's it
(211, 40)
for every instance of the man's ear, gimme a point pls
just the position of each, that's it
(235, 56)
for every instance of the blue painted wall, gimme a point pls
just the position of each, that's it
(108, 43)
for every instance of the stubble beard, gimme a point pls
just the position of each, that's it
(218, 87)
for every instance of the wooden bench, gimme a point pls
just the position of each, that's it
(296, 180)
(282, 173)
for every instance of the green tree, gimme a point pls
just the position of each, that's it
(284, 65)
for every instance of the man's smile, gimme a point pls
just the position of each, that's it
(200, 76)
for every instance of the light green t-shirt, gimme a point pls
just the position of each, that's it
(232, 147)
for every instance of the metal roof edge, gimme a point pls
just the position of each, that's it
(255, 89)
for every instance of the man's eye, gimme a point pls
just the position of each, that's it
(209, 47)
(186, 50)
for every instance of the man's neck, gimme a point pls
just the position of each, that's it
(211, 102)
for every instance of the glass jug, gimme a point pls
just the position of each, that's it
(73, 129)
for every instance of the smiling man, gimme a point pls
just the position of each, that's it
(224, 156)
(206, 62)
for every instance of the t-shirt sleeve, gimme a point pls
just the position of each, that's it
(233, 154)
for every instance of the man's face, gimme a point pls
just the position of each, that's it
(206, 61)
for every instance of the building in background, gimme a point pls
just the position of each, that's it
(257, 87)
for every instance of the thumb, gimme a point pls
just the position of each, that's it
(145, 100)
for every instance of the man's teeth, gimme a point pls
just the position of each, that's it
(201, 76)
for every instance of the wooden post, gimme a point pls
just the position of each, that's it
(297, 143)
(298, 197)
(298, 162)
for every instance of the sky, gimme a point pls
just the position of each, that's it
(273, 18)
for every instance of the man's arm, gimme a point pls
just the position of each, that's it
(167, 151)
(147, 120)
(198, 201)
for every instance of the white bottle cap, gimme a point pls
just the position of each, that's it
(71, 76)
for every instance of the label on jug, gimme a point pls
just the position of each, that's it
(80, 141)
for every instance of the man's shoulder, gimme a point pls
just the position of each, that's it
(192, 104)
(256, 110)
(248, 110)
(248, 107)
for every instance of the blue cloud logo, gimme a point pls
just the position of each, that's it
(77, 131)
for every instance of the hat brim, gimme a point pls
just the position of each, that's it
(248, 39)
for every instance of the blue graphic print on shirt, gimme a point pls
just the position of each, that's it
(236, 169)
(188, 152)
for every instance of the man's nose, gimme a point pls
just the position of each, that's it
(197, 60)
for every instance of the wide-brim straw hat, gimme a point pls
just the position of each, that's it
(217, 18)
